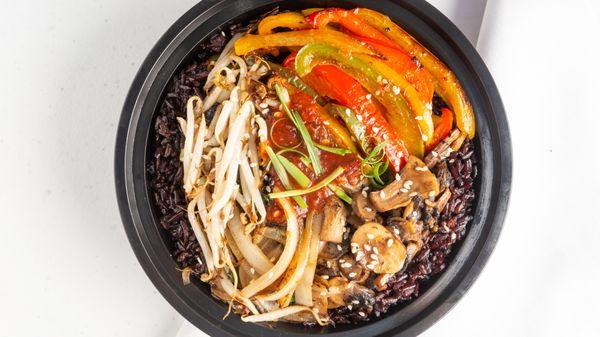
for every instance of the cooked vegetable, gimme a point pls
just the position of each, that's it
(340, 193)
(367, 71)
(357, 128)
(443, 126)
(282, 174)
(291, 20)
(331, 37)
(377, 249)
(294, 171)
(304, 290)
(294, 80)
(414, 180)
(291, 242)
(334, 220)
(280, 313)
(255, 257)
(446, 82)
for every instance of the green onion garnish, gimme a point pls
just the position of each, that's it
(326, 181)
(303, 158)
(295, 118)
(280, 170)
(334, 150)
(340, 193)
(294, 171)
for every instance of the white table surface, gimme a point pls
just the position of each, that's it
(67, 268)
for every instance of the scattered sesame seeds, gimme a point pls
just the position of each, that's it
(375, 129)
(453, 236)
(379, 78)
(370, 266)
(360, 255)
(253, 165)
(432, 193)
(362, 314)
(349, 306)
(265, 111)
(364, 193)
(352, 274)
(369, 96)
(397, 231)
(384, 81)
(390, 242)
(346, 265)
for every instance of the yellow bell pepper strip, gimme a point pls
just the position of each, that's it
(291, 20)
(447, 84)
(398, 85)
(357, 128)
(309, 11)
(336, 84)
(443, 126)
(330, 37)
(369, 75)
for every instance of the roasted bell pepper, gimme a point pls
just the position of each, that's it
(309, 11)
(447, 84)
(290, 76)
(317, 117)
(292, 20)
(349, 21)
(331, 37)
(443, 126)
(336, 84)
(369, 74)
(357, 128)
(403, 64)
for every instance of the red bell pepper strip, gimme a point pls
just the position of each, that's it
(404, 64)
(349, 21)
(330, 81)
(442, 128)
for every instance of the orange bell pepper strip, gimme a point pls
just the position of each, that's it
(330, 81)
(349, 21)
(403, 64)
(330, 37)
(447, 84)
(443, 126)
(292, 20)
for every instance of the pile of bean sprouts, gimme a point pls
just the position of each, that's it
(222, 181)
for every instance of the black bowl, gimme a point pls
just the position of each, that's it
(194, 301)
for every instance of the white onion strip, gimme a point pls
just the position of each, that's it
(281, 313)
(291, 242)
(304, 289)
(292, 276)
(255, 257)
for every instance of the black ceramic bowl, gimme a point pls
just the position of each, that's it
(194, 301)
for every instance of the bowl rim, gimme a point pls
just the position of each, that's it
(130, 200)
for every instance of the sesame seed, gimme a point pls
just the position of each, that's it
(346, 265)
(379, 78)
(378, 92)
(374, 262)
(263, 105)
(326, 122)
(253, 165)
(403, 190)
(453, 236)
(375, 129)
(424, 138)
(397, 231)
(328, 263)
(368, 209)
(349, 307)
(325, 277)
(429, 106)
(369, 96)
(359, 118)
(375, 250)
(370, 236)
(374, 257)
(355, 302)
(370, 266)
(434, 154)
(398, 176)
(362, 314)
(265, 111)
(359, 255)
(409, 182)
(352, 274)
(384, 81)
(419, 118)
(390, 242)
(347, 111)
(364, 193)
(270, 275)
(382, 194)
(432, 193)
(342, 260)
(412, 194)
(339, 248)
(397, 162)
(367, 247)
(354, 249)
(252, 271)
(396, 90)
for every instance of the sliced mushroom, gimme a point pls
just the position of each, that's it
(351, 270)
(382, 280)
(415, 180)
(452, 143)
(334, 220)
(377, 249)
(327, 268)
(362, 207)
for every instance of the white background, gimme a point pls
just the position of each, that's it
(66, 266)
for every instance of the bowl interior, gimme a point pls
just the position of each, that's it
(152, 245)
